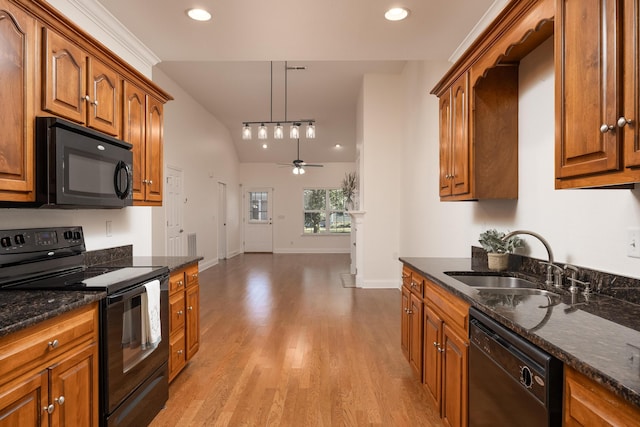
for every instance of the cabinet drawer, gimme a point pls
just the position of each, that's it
(453, 310)
(406, 276)
(191, 274)
(176, 312)
(176, 282)
(41, 343)
(417, 284)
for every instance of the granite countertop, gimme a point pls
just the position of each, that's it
(21, 309)
(173, 262)
(598, 336)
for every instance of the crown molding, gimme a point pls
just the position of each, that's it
(120, 39)
(477, 29)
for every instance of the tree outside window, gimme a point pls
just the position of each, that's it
(324, 212)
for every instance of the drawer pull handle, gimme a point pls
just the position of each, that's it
(49, 409)
(59, 400)
(53, 344)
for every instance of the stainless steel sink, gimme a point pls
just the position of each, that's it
(490, 281)
(518, 291)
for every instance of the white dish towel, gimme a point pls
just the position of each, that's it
(151, 328)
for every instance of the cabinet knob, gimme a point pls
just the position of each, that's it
(179, 352)
(435, 344)
(180, 313)
(94, 103)
(190, 308)
(623, 121)
(606, 128)
(409, 311)
(180, 283)
(150, 182)
(53, 344)
(85, 98)
(49, 409)
(59, 400)
(441, 350)
(194, 275)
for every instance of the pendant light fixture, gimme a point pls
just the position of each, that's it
(278, 130)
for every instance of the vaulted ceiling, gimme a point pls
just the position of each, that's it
(224, 63)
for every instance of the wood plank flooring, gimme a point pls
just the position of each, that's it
(283, 343)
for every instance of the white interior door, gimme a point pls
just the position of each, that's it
(222, 220)
(175, 217)
(258, 224)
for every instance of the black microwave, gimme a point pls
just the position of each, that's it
(77, 167)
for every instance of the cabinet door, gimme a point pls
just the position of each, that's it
(104, 98)
(404, 321)
(64, 78)
(153, 168)
(460, 136)
(415, 334)
(23, 402)
(630, 82)
(587, 87)
(432, 360)
(193, 320)
(177, 358)
(17, 65)
(445, 144)
(454, 379)
(74, 389)
(133, 132)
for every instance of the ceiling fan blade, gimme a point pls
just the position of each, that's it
(311, 165)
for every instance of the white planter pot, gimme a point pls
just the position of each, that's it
(497, 262)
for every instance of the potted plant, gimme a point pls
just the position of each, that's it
(349, 188)
(498, 249)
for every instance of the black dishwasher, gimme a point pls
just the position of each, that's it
(511, 381)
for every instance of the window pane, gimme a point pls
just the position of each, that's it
(314, 222)
(340, 222)
(258, 205)
(315, 200)
(336, 200)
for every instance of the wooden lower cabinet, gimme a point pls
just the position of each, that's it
(411, 320)
(454, 378)
(54, 379)
(184, 318)
(587, 403)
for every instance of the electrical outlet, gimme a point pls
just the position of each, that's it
(633, 242)
(108, 228)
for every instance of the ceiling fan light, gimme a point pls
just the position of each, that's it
(294, 131)
(311, 130)
(246, 131)
(295, 170)
(262, 132)
(301, 171)
(278, 132)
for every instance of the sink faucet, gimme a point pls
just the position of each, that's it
(554, 272)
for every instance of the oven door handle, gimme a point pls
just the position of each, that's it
(117, 297)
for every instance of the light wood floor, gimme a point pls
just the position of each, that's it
(283, 343)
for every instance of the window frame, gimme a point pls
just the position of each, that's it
(327, 211)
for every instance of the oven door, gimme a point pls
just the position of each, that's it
(126, 361)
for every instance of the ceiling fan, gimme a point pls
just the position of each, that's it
(299, 165)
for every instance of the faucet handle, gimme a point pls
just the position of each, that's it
(553, 278)
(574, 288)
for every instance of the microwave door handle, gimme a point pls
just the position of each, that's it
(122, 166)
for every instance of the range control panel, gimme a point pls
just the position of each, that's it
(40, 239)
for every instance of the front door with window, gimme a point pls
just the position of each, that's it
(258, 224)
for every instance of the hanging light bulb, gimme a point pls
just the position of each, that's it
(301, 172)
(311, 130)
(294, 131)
(262, 132)
(295, 170)
(246, 131)
(278, 132)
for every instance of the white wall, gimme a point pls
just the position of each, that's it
(199, 145)
(381, 135)
(288, 203)
(584, 227)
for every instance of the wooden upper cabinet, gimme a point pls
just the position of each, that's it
(597, 93)
(78, 87)
(155, 129)
(17, 67)
(445, 144)
(104, 98)
(143, 128)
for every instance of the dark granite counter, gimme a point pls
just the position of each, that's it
(173, 262)
(21, 309)
(599, 336)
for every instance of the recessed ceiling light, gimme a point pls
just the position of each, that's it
(396, 14)
(264, 146)
(199, 14)
(338, 145)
